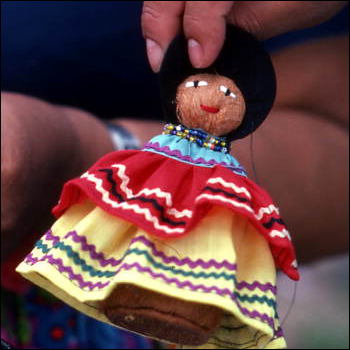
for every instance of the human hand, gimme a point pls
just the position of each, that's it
(204, 22)
(42, 146)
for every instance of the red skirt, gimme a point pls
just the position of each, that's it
(167, 198)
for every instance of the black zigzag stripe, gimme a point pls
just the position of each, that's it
(227, 328)
(156, 205)
(233, 345)
(272, 221)
(109, 175)
(227, 194)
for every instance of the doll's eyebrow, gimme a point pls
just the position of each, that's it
(227, 91)
(196, 83)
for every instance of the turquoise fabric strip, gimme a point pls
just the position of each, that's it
(189, 152)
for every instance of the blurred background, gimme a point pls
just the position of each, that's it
(319, 318)
(99, 75)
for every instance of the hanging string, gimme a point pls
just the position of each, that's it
(169, 246)
(291, 304)
(256, 179)
(252, 159)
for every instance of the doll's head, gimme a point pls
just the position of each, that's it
(210, 102)
(201, 98)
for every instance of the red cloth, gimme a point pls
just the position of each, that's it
(168, 198)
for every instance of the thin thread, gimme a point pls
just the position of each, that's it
(169, 246)
(252, 160)
(255, 174)
(291, 304)
(287, 313)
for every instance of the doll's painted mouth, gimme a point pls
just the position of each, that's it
(210, 109)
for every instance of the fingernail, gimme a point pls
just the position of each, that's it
(196, 53)
(155, 54)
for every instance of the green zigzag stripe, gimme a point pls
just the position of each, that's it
(75, 257)
(93, 272)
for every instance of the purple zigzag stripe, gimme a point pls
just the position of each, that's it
(61, 268)
(91, 286)
(193, 287)
(91, 248)
(176, 153)
(185, 261)
(256, 284)
(50, 237)
(167, 259)
(279, 332)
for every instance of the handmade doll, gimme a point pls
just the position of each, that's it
(174, 241)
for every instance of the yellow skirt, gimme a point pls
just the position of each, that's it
(223, 262)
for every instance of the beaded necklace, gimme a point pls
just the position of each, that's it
(200, 137)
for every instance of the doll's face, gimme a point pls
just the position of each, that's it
(210, 102)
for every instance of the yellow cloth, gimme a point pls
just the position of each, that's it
(88, 253)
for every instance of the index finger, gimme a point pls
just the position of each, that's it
(160, 21)
(204, 25)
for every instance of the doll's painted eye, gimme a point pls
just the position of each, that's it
(227, 91)
(196, 83)
(189, 84)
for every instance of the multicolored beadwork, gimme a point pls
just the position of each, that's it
(200, 137)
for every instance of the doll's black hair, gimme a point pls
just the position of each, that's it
(242, 59)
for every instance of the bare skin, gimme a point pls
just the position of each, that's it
(302, 150)
(299, 151)
(203, 23)
(42, 146)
